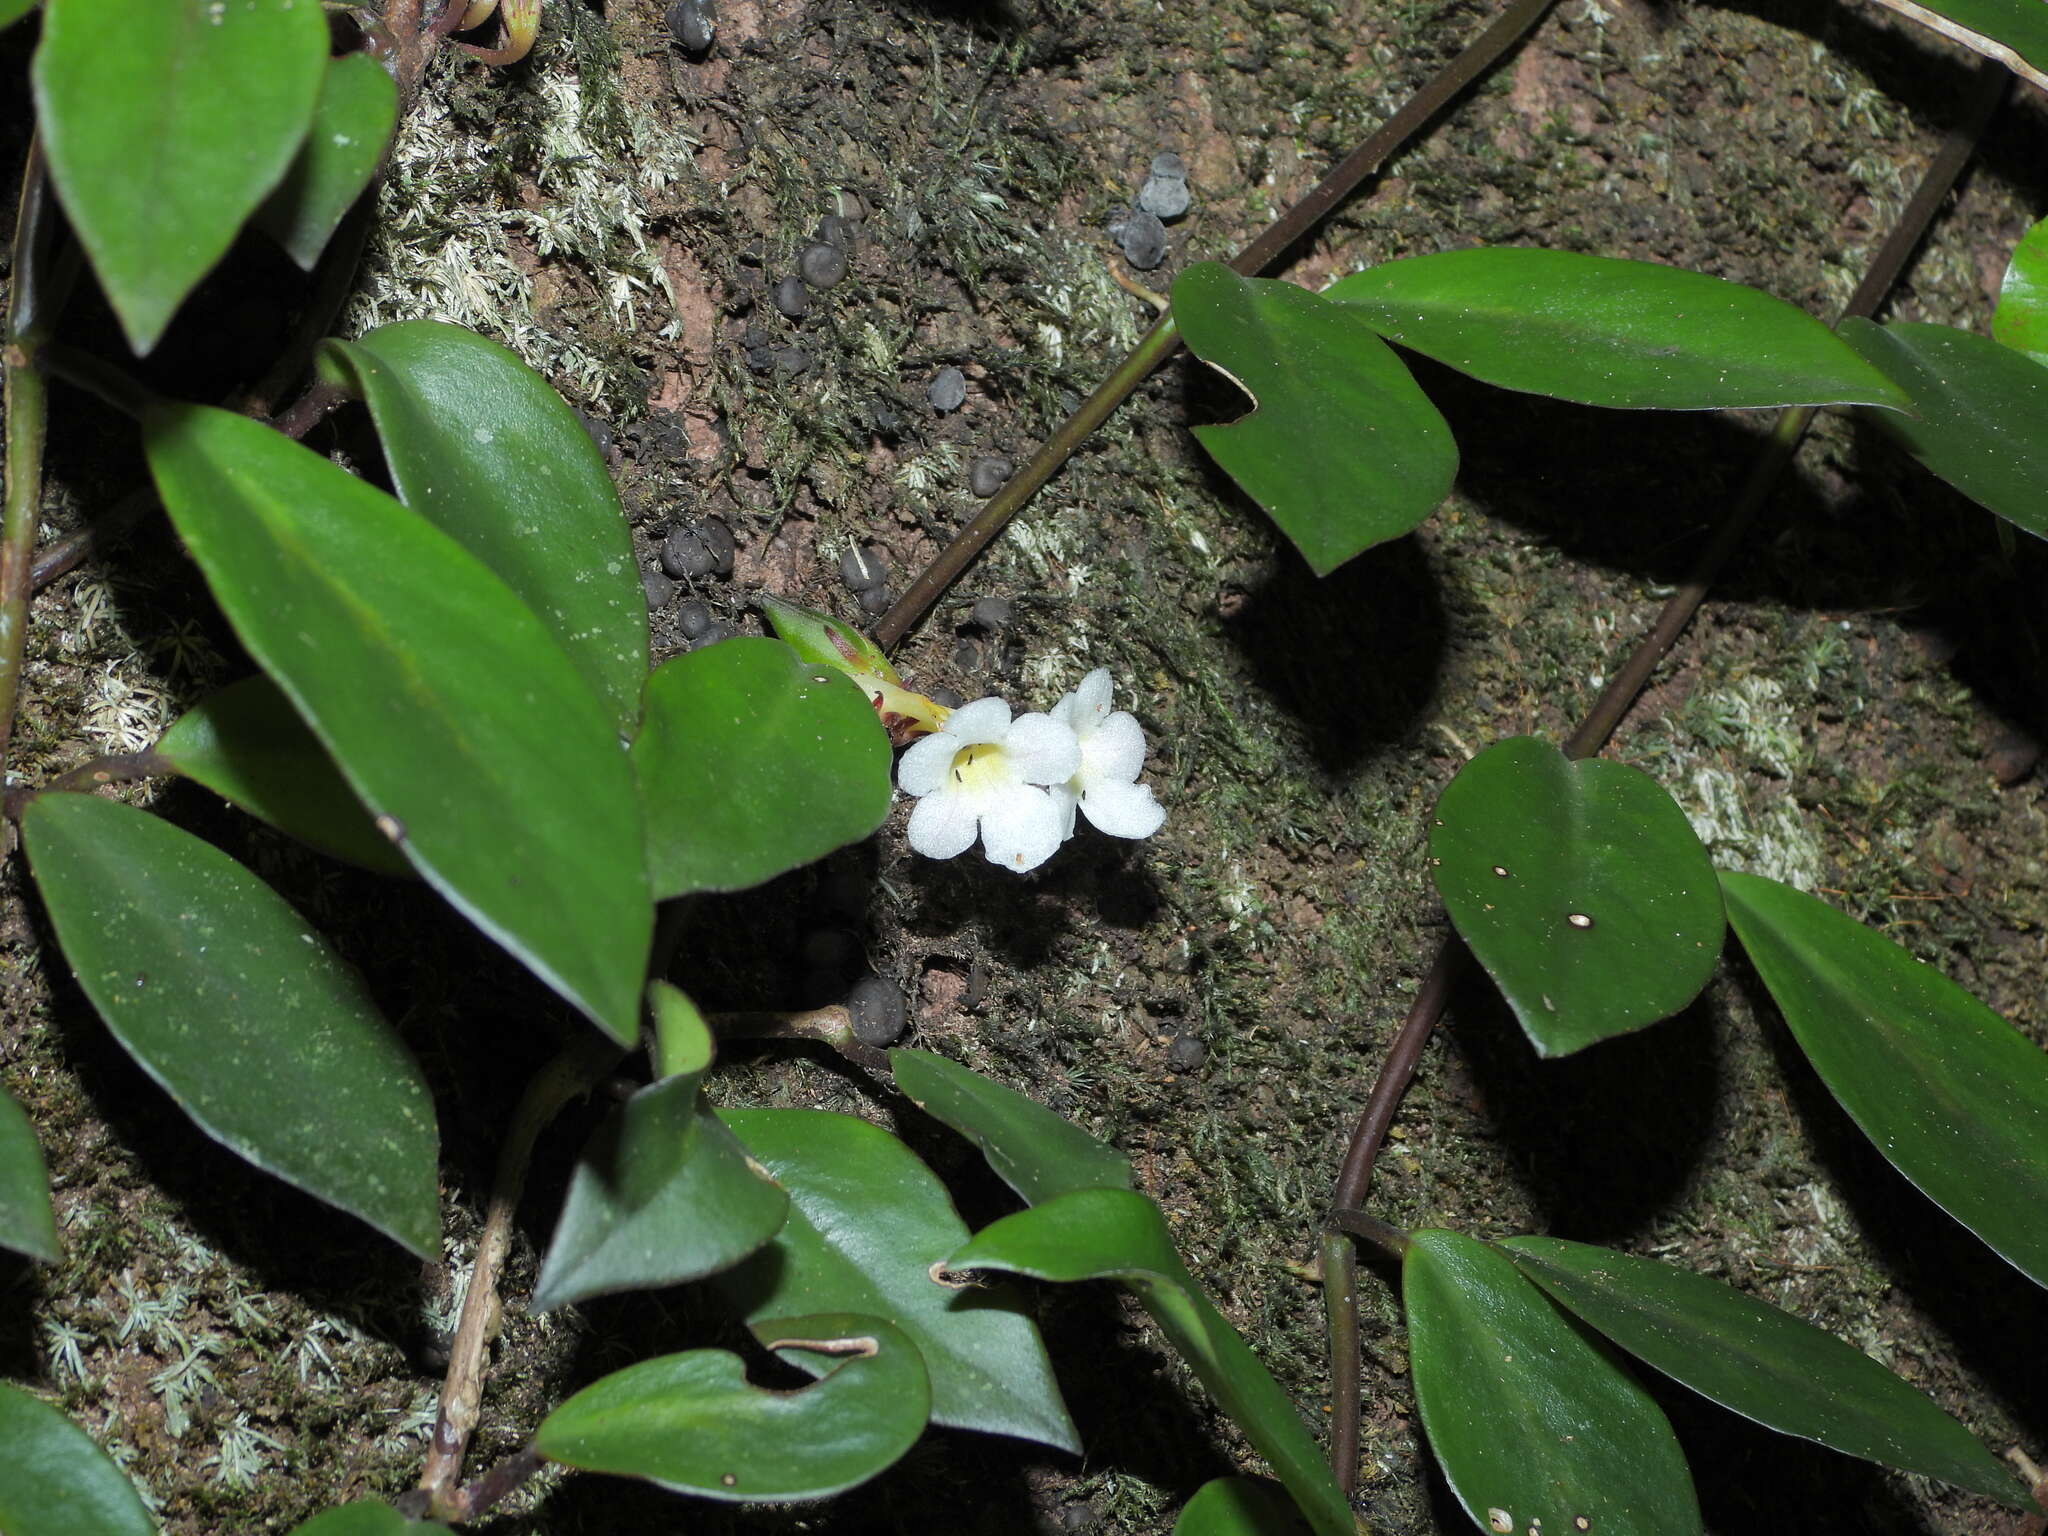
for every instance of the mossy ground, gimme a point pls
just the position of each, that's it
(617, 211)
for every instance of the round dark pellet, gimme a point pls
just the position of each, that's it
(686, 553)
(1186, 1053)
(714, 632)
(849, 205)
(988, 474)
(967, 656)
(990, 612)
(659, 589)
(1168, 166)
(790, 361)
(1142, 240)
(862, 569)
(791, 297)
(947, 390)
(836, 229)
(945, 696)
(878, 1010)
(876, 600)
(693, 24)
(719, 537)
(693, 618)
(1164, 197)
(822, 265)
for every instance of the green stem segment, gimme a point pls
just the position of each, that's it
(1354, 1180)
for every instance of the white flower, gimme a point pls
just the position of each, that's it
(984, 772)
(1105, 786)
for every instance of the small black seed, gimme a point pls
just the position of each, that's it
(967, 656)
(686, 554)
(1163, 197)
(659, 589)
(1142, 240)
(1169, 167)
(714, 632)
(791, 297)
(692, 23)
(822, 266)
(987, 475)
(836, 229)
(990, 612)
(876, 600)
(945, 697)
(862, 569)
(947, 390)
(878, 1010)
(693, 618)
(848, 205)
(1186, 1053)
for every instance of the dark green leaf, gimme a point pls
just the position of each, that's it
(1341, 448)
(483, 448)
(820, 638)
(249, 746)
(2011, 31)
(868, 1223)
(2021, 319)
(165, 125)
(55, 1482)
(27, 1224)
(365, 1517)
(752, 763)
(691, 1422)
(222, 994)
(1032, 1150)
(1607, 332)
(663, 1193)
(1114, 1234)
(1239, 1506)
(1581, 888)
(13, 10)
(453, 715)
(1535, 1427)
(1951, 1094)
(1763, 1363)
(352, 122)
(1983, 413)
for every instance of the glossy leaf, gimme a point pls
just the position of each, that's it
(693, 1423)
(2015, 32)
(1763, 1363)
(1031, 1149)
(165, 125)
(453, 715)
(663, 1193)
(2021, 319)
(364, 1517)
(820, 638)
(247, 1019)
(54, 1481)
(1580, 886)
(1983, 413)
(249, 746)
(13, 10)
(1342, 448)
(867, 1225)
(352, 122)
(1114, 1234)
(1240, 1506)
(27, 1223)
(1535, 1427)
(1607, 332)
(483, 448)
(1952, 1095)
(753, 763)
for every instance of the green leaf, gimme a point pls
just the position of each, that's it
(1239, 1506)
(55, 1482)
(663, 1193)
(352, 122)
(1581, 888)
(27, 1223)
(249, 746)
(364, 1517)
(1607, 332)
(1983, 413)
(165, 125)
(1114, 1234)
(2021, 319)
(12, 11)
(691, 1422)
(1032, 1150)
(1342, 448)
(1952, 1095)
(222, 994)
(483, 448)
(753, 763)
(1763, 1363)
(453, 715)
(868, 1225)
(1536, 1428)
(2015, 32)
(829, 642)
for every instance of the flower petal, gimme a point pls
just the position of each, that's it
(1067, 797)
(1084, 708)
(1041, 750)
(925, 761)
(1020, 827)
(1114, 753)
(943, 824)
(984, 720)
(1123, 810)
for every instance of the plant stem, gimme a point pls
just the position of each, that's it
(1163, 339)
(580, 1064)
(1354, 1180)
